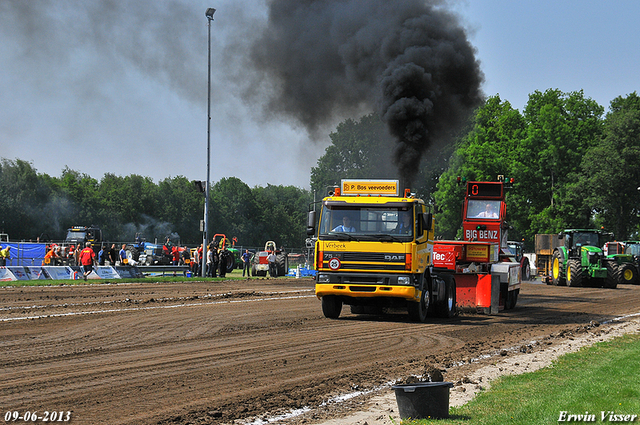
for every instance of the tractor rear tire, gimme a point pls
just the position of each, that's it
(132, 253)
(331, 306)
(231, 261)
(611, 280)
(574, 273)
(281, 264)
(557, 269)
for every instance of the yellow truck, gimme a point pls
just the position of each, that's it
(374, 251)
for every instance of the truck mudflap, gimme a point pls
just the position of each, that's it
(409, 293)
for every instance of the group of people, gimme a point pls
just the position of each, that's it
(216, 261)
(57, 255)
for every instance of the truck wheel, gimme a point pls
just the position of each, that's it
(557, 269)
(447, 307)
(626, 273)
(512, 299)
(418, 311)
(331, 306)
(574, 273)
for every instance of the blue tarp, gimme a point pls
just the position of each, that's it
(25, 253)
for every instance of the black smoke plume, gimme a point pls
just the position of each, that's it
(324, 60)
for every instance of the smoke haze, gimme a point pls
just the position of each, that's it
(410, 61)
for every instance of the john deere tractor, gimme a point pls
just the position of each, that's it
(623, 260)
(579, 260)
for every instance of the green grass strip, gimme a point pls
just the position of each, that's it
(602, 379)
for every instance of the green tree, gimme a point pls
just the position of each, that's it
(283, 215)
(484, 153)
(182, 205)
(233, 210)
(561, 128)
(359, 149)
(610, 171)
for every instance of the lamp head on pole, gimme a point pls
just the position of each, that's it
(209, 13)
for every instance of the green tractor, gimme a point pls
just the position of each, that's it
(623, 259)
(579, 260)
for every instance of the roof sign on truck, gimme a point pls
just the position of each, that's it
(370, 187)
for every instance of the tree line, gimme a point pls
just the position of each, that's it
(574, 167)
(35, 205)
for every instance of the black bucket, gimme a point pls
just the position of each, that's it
(423, 400)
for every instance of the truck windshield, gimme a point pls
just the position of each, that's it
(483, 209)
(359, 221)
(75, 236)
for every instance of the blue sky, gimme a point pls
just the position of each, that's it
(527, 45)
(122, 89)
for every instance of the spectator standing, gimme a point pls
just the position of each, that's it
(101, 256)
(87, 259)
(123, 255)
(113, 256)
(175, 252)
(271, 258)
(210, 271)
(246, 263)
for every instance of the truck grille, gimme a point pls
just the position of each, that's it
(367, 261)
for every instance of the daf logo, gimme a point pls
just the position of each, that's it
(394, 257)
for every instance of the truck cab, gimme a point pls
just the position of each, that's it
(374, 250)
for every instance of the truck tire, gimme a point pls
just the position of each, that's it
(512, 299)
(447, 307)
(331, 306)
(419, 310)
(574, 273)
(557, 269)
(626, 273)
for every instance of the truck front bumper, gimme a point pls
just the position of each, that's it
(367, 285)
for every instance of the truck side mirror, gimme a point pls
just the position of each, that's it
(311, 223)
(426, 220)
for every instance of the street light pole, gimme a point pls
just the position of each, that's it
(209, 14)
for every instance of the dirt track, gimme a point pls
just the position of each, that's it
(216, 353)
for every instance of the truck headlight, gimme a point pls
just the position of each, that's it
(323, 278)
(404, 280)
